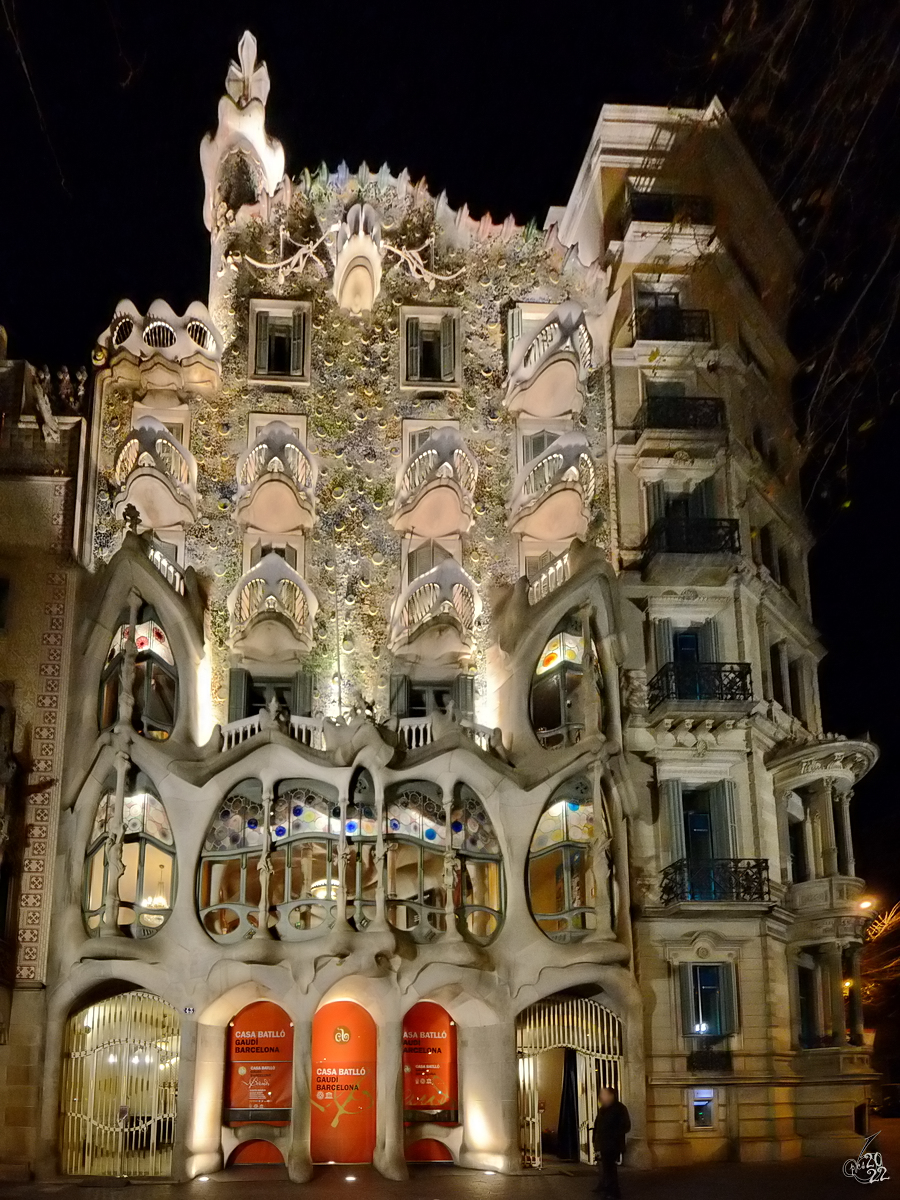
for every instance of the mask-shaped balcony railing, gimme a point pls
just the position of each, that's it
(436, 488)
(272, 613)
(443, 600)
(553, 493)
(157, 475)
(276, 482)
(547, 373)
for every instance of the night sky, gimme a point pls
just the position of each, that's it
(101, 199)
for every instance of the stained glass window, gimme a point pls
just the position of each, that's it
(561, 881)
(146, 884)
(562, 648)
(155, 687)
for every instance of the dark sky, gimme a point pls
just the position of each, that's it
(101, 199)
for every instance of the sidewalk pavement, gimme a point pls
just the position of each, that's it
(803, 1179)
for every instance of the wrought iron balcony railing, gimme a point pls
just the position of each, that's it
(681, 412)
(708, 681)
(563, 338)
(710, 1060)
(668, 208)
(672, 325)
(443, 460)
(736, 879)
(277, 450)
(444, 593)
(694, 535)
(565, 464)
(273, 589)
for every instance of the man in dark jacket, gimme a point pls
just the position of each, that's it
(610, 1129)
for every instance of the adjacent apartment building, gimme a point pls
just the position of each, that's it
(443, 734)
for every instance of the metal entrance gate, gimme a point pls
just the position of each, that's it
(119, 1084)
(595, 1034)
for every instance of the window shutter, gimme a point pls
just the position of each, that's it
(701, 499)
(686, 987)
(724, 828)
(513, 328)
(656, 503)
(709, 641)
(671, 812)
(662, 643)
(298, 342)
(302, 694)
(399, 695)
(728, 997)
(262, 343)
(464, 696)
(448, 348)
(413, 349)
(238, 690)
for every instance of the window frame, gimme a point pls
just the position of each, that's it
(728, 994)
(280, 309)
(412, 544)
(433, 316)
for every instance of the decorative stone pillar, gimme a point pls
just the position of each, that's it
(856, 1008)
(825, 809)
(264, 867)
(343, 864)
(846, 858)
(390, 1156)
(299, 1158)
(834, 959)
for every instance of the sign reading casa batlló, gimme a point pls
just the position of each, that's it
(429, 1065)
(344, 1052)
(260, 1066)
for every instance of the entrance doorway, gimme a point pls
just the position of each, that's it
(344, 1064)
(567, 1048)
(119, 1087)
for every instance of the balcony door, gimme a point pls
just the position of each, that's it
(708, 840)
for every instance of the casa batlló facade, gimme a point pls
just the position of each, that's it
(443, 735)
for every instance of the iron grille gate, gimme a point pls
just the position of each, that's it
(119, 1084)
(595, 1034)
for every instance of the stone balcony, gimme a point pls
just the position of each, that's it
(272, 613)
(437, 483)
(276, 482)
(692, 550)
(157, 475)
(675, 324)
(700, 689)
(693, 425)
(835, 893)
(433, 618)
(547, 372)
(553, 493)
(307, 731)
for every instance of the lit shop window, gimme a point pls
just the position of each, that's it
(146, 883)
(155, 687)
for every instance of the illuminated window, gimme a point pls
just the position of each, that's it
(557, 698)
(420, 875)
(297, 850)
(708, 1000)
(146, 887)
(155, 687)
(561, 878)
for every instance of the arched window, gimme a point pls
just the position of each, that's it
(561, 868)
(146, 889)
(479, 896)
(557, 698)
(301, 865)
(420, 872)
(155, 678)
(361, 869)
(416, 834)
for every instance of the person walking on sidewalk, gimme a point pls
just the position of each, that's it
(610, 1130)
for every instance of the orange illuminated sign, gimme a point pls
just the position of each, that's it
(429, 1065)
(344, 1056)
(259, 1079)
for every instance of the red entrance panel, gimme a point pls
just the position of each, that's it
(344, 1055)
(258, 1084)
(256, 1154)
(430, 1090)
